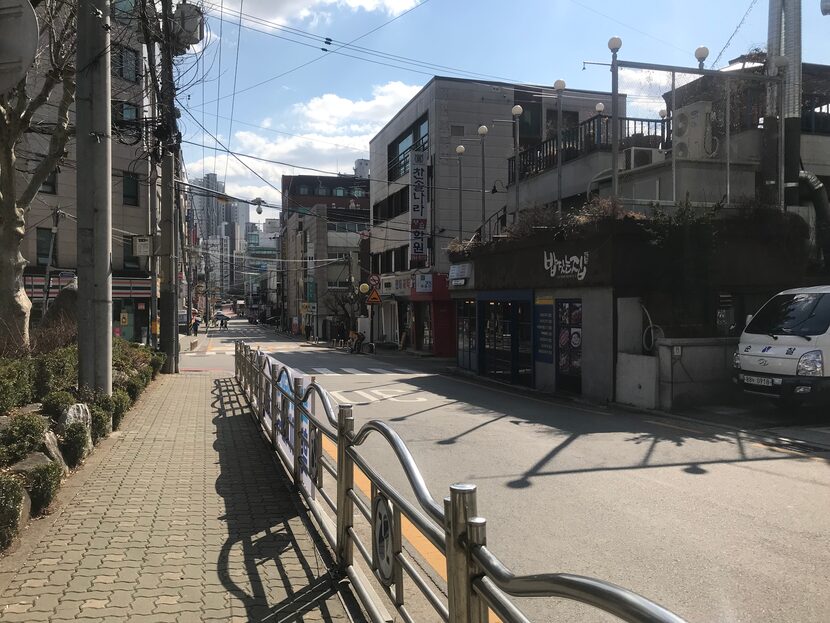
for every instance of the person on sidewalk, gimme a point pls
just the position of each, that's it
(196, 322)
(358, 343)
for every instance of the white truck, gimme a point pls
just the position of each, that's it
(784, 350)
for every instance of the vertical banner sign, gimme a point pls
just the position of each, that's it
(418, 212)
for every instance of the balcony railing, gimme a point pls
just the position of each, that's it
(399, 166)
(591, 135)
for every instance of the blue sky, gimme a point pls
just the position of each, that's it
(324, 114)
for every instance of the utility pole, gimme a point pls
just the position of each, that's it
(169, 311)
(94, 179)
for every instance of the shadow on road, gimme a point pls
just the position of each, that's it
(269, 561)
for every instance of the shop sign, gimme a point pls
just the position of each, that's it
(418, 208)
(460, 271)
(141, 246)
(125, 319)
(396, 285)
(564, 266)
(543, 329)
(423, 282)
(458, 282)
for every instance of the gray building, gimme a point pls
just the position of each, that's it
(464, 193)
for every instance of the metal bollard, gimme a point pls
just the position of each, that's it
(345, 483)
(458, 508)
(476, 535)
(298, 430)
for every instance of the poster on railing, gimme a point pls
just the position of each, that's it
(285, 428)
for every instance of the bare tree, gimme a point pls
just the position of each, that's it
(39, 104)
(344, 304)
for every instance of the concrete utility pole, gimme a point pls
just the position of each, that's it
(168, 303)
(94, 178)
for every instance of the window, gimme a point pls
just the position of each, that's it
(339, 285)
(122, 10)
(348, 227)
(322, 191)
(456, 130)
(50, 184)
(124, 111)
(44, 243)
(358, 192)
(304, 190)
(416, 137)
(792, 314)
(339, 192)
(129, 183)
(130, 260)
(125, 63)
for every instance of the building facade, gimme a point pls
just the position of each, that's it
(462, 194)
(323, 219)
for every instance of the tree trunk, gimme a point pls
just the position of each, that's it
(15, 306)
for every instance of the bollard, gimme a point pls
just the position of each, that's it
(460, 506)
(476, 535)
(298, 431)
(345, 482)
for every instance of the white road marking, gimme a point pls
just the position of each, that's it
(393, 395)
(325, 371)
(366, 395)
(353, 371)
(405, 371)
(380, 371)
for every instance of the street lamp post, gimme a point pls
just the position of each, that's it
(559, 87)
(614, 44)
(517, 114)
(482, 132)
(460, 152)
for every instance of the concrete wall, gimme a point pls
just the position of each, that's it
(699, 373)
(814, 150)
(629, 326)
(637, 380)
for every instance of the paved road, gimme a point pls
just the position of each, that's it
(701, 518)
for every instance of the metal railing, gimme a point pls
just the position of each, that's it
(399, 166)
(285, 405)
(591, 135)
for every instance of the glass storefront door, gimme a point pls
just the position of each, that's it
(507, 341)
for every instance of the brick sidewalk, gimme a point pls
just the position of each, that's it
(180, 516)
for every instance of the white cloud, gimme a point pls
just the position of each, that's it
(329, 133)
(313, 11)
(266, 123)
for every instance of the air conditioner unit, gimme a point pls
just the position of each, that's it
(635, 157)
(692, 132)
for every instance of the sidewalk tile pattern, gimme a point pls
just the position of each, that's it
(184, 518)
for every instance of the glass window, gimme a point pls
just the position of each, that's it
(130, 260)
(125, 63)
(793, 314)
(50, 184)
(358, 192)
(122, 10)
(322, 191)
(339, 192)
(303, 190)
(130, 189)
(44, 243)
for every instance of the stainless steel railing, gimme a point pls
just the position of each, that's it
(286, 407)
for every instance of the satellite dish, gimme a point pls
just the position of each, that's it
(18, 41)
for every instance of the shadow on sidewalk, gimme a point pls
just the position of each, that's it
(270, 561)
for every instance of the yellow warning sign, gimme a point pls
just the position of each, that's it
(373, 298)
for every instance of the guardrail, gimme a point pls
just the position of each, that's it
(286, 405)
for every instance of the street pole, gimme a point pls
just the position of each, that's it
(559, 87)
(93, 119)
(169, 312)
(482, 133)
(460, 151)
(153, 187)
(517, 114)
(614, 44)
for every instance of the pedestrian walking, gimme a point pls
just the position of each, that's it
(196, 322)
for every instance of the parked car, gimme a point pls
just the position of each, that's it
(784, 346)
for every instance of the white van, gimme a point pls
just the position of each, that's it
(784, 351)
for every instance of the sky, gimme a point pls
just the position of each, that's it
(268, 90)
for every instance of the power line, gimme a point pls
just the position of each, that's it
(317, 58)
(235, 76)
(734, 32)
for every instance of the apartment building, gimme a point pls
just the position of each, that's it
(50, 243)
(323, 219)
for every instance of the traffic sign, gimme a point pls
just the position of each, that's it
(374, 280)
(374, 298)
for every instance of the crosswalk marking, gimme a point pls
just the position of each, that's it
(352, 371)
(405, 371)
(380, 371)
(325, 371)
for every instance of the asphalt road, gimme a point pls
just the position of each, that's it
(701, 518)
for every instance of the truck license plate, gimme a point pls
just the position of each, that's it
(758, 380)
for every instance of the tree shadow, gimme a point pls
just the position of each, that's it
(272, 560)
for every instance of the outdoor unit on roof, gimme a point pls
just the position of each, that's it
(641, 156)
(692, 132)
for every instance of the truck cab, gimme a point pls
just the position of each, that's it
(784, 350)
